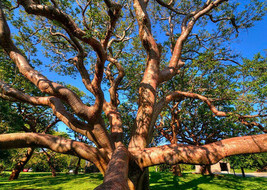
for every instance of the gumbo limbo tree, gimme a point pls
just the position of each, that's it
(136, 59)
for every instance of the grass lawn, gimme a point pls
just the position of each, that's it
(166, 181)
(158, 181)
(43, 180)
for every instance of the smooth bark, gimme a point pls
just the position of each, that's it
(56, 144)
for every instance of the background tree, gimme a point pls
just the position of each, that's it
(105, 44)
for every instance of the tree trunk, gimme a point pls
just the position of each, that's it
(234, 171)
(20, 165)
(176, 170)
(77, 166)
(206, 170)
(243, 172)
(143, 182)
(53, 170)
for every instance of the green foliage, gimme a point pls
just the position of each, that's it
(250, 161)
(61, 162)
(212, 68)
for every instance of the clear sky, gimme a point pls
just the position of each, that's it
(253, 40)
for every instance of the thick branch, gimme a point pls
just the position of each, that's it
(148, 86)
(90, 130)
(90, 114)
(57, 144)
(37, 78)
(206, 154)
(115, 122)
(72, 29)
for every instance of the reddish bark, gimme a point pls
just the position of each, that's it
(109, 155)
(116, 176)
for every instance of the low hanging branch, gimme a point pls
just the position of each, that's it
(206, 154)
(90, 114)
(57, 107)
(57, 144)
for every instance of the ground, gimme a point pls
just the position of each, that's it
(158, 181)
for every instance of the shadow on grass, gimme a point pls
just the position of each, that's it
(167, 181)
(45, 181)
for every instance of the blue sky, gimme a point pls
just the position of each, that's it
(253, 40)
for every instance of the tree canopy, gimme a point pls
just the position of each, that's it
(138, 65)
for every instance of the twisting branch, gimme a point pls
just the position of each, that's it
(188, 23)
(90, 114)
(114, 11)
(252, 124)
(162, 131)
(91, 131)
(83, 13)
(119, 38)
(115, 83)
(69, 25)
(110, 109)
(50, 125)
(178, 95)
(37, 78)
(72, 29)
(232, 19)
(57, 144)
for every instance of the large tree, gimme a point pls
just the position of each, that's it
(137, 50)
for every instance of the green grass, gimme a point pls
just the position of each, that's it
(166, 181)
(158, 181)
(44, 181)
